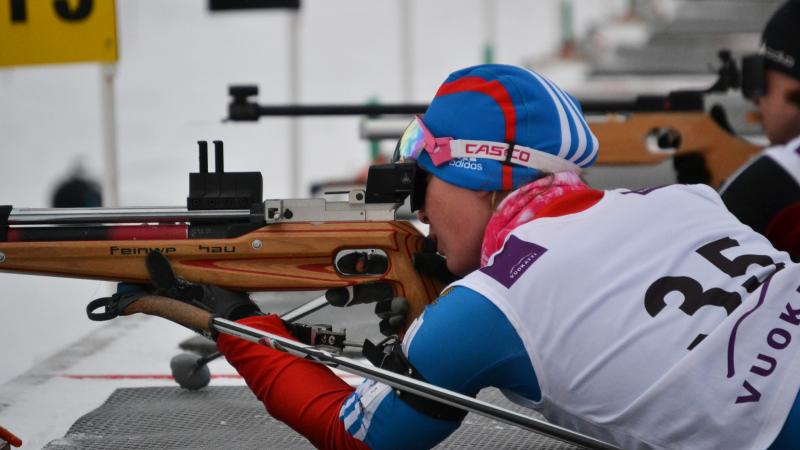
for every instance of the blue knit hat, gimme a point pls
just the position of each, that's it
(511, 105)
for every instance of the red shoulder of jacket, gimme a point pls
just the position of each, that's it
(571, 202)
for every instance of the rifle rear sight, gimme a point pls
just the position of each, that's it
(220, 190)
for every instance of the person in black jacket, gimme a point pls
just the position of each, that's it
(765, 193)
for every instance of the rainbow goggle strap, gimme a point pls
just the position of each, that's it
(417, 138)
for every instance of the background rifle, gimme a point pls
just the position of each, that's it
(702, 127)
(227, 236)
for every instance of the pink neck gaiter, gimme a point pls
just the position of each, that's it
(522, 205)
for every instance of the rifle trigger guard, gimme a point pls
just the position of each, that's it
(98, 303)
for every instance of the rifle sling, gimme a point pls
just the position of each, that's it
(389, 356)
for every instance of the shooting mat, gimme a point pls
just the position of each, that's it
(231, 417)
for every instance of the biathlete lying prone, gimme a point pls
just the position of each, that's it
(647, 319)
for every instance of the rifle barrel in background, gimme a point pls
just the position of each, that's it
(703, 130)
(244, 108)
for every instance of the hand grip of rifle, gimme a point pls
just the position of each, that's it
(179, 312)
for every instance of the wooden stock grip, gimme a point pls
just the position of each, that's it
(171, 309)
(623, 141)
(418, 289)
(280, 257)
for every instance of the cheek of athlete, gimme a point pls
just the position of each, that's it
(457, 219)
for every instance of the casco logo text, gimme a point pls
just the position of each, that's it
(497, 150)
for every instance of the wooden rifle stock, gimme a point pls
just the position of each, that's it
(276, 257)
(623, 140)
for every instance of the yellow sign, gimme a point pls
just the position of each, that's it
(57, 31)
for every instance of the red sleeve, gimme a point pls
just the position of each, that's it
(7, 436)
(305, 395)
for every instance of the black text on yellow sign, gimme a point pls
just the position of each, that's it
(57, 31)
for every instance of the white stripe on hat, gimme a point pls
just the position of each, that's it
(566, 139)
(576, 120)
(594, 146)
(593, 153)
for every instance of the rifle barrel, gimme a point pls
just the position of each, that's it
(39, 216)
(589, 106)
(642, 103)
(340, 110)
